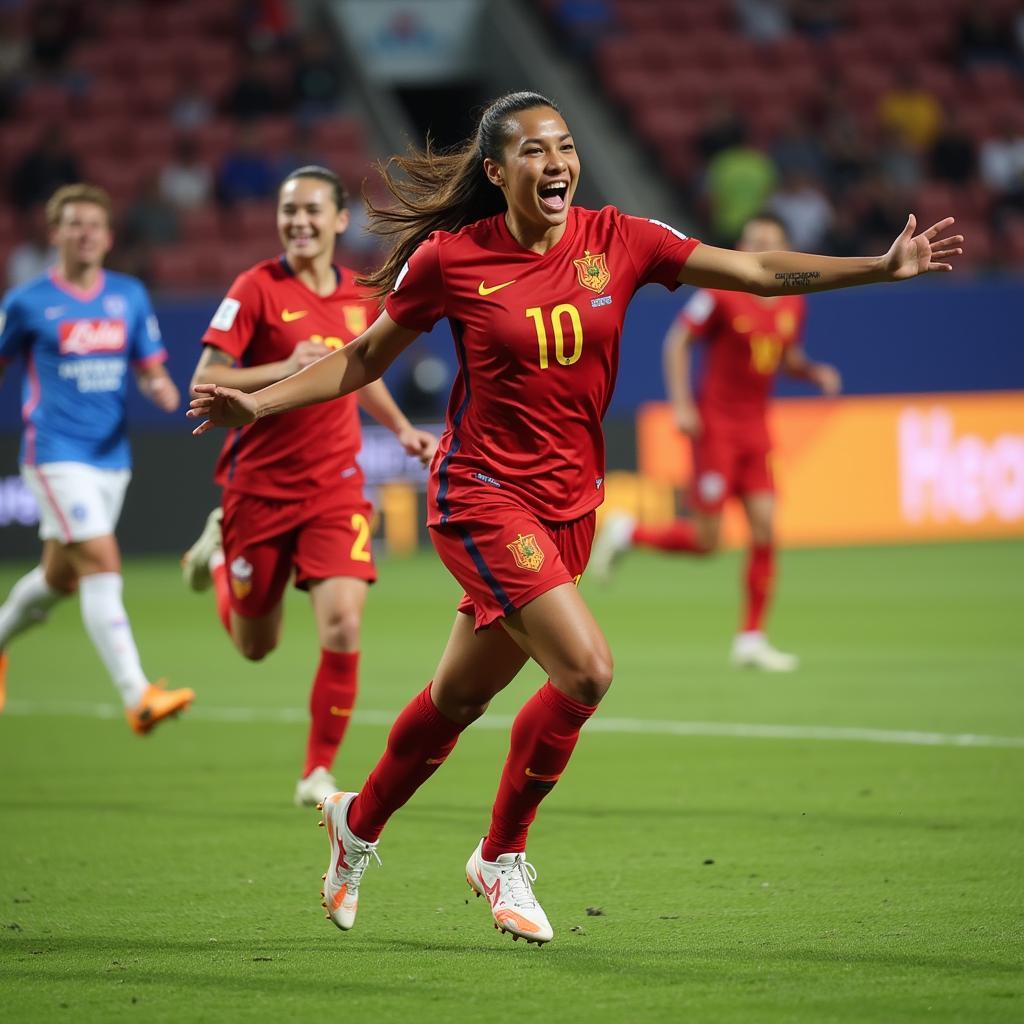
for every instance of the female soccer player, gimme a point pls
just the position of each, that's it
(293, 492)
(536, 292)
(749, 339)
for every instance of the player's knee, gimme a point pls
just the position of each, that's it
(340, 630)
(255, 648)
(64, 581)
(460, 699)
(590, 679)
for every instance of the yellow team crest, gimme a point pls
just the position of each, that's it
(527, 552)
(785, 322)
(241, 577)
(592, 271)
(355, 319)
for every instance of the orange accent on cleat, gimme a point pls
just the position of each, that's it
(157, 704)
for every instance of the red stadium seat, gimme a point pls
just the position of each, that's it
(1013, 242)
(18, 138)
(109, 99)
(122, 178)
(124, 20)
(201, 225)
(176, 267)
(253, 221)
(45, 103)
(214, 139)
(152, 140)
(98, 134)
(156, 93)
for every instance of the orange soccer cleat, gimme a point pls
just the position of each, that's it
(3, 679)
(156, 705)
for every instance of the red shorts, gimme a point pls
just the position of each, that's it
(504, 556)
(320, 538)
(723, 467)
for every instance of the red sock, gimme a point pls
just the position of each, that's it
(222, 590)
(760, 583)
(543, 737)
(330, 705)
(418, 744)
(677, 536)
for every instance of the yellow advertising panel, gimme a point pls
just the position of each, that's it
(866, 470)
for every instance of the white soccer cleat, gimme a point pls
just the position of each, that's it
(508, 885)
(195, 563)
(752, 650)
(350, 857)
(315, 788)
(613, 540)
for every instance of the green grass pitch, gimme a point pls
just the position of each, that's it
(738, 878)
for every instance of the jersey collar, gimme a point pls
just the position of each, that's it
(81, 294)
(338, 276)
(510, 244)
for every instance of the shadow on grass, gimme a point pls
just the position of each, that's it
(283, 967)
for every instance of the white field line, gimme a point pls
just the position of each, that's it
(625, 726)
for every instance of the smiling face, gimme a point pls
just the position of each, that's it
(539, 170)
(82, 236)
(308, 221)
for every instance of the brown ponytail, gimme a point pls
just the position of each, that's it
(442, 191)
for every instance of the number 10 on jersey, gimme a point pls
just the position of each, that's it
(558, 316)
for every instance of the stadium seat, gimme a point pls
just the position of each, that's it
(201, 225)
(253, 221)
(45, 103)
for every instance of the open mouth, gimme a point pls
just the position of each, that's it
(553, 197)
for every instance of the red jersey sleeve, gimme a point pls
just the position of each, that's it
(657, 250)
(699, 314)
(417, 300)
(234, 323)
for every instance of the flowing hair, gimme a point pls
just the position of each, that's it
(442, 190)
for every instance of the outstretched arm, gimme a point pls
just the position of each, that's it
(377, 400)
(780, 273)
(346, 370)
(156, 384)
(216, 366)
(824, 376)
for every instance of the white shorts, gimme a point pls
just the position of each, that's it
(76, 501)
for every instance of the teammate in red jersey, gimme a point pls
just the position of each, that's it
(749, 339)
(293, 493)
(536, 292)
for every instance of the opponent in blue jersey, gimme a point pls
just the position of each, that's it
(79, 329)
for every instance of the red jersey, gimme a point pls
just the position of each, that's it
(537, 338)
(266, 313)
(745, 337)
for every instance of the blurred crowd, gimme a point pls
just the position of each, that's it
(188, 113)
(839, 115)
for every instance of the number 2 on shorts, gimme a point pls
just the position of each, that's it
(359, 552)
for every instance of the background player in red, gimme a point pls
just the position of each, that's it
(536, 292)
(748, 338)
(293, 492)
